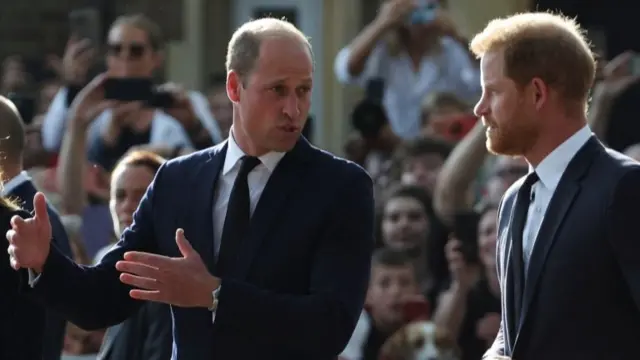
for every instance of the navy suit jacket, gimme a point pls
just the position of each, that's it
(298, 287)
(22, 320)
(56, 324)
(581, 299)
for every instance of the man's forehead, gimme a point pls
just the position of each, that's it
(284, 63)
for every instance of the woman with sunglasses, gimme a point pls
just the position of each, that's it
(22, 321)
(134, 51)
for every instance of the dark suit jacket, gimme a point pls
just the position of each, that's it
(297, 289)
(147, 335)
(582, 294)
(56, 324)
(22, 321)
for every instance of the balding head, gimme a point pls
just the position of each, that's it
(12, 136)
(244, 47)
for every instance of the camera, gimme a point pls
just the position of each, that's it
(368, 116)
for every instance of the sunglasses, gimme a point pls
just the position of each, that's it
(135, 50)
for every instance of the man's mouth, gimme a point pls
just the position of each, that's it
(289, 128)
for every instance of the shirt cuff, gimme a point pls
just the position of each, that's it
(217, 304)
(33, 278)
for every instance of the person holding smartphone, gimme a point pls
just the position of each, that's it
(410, 42)
(133, 54)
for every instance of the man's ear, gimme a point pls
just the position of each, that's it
(234, 86)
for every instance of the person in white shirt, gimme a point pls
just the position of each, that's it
(414, 48)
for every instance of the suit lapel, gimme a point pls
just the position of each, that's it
(201, 200)
(509, 272)
(563, 197)
(282, 183)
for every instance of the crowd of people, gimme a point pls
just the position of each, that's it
(437, 188)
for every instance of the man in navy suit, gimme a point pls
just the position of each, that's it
(18, 186)
(568, 236)
(280, 233)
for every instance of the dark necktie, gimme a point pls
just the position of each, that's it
(236, 222)
(519, 220)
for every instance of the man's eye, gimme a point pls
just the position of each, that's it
(280, 90)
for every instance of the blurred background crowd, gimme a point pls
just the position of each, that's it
(394, 91)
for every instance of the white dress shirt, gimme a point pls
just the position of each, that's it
(16, 181)
(550, 171)
(257, 180)
(448, 70)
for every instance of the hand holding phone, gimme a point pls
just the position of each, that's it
(137, 89)
(86, 24)
(459, 269)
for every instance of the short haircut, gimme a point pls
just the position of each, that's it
(142, 22)
(244, 46)
(548, 46)
(142, 158)
(391, 258)
(12, 132)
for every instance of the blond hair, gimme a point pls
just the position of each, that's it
(5, 202)
(244, 46)
(548, 46)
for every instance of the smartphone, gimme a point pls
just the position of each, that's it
(86, 24)
(416, 309)
(465, 229)
(137, 89)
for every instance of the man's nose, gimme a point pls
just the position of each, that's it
(291, 107)
(481, 109)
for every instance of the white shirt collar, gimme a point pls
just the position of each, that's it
(550, 169)
(270, 160)
(13, 183)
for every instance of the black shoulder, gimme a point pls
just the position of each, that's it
(7, 212)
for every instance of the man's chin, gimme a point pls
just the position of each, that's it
(498, 147)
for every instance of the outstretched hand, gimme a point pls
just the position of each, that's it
(30, 239)
(180, 281)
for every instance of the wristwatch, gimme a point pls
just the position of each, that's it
(215, 294)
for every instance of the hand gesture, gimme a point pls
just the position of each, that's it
(30, 239)
(183, 281)
(89, 103)
(182, 108)
(77, 60)
(394, 12)
(461, 275)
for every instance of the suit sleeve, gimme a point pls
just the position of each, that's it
(624, 233)
(323, 321)
(158, 342)
(60, 236)
(92, 297)
(497, 348)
